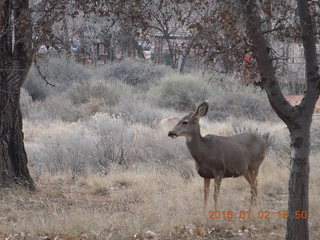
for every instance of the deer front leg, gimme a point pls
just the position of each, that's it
(217, 184)
(206, 193)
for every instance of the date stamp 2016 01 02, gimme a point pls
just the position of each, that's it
(262, 214)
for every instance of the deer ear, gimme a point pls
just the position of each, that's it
(192, 106)
(202, 110)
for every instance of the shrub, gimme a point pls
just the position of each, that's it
(110, 92)
(135, 72)
(99, 142)
(79, 101)
(94, 144)
(242, 103)
(54, 108)
(62, 147)
(140, 111)
(36, 86)
(175, 91)
(61, 71)
(115, 139)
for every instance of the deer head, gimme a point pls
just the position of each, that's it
(189, 124)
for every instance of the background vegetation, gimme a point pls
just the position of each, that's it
(100, 137)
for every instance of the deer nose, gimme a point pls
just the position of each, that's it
(172, 134)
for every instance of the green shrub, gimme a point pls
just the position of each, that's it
(242, 103)
(175, 91)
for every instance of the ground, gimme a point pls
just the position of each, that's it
(128, 204)
(150, 200)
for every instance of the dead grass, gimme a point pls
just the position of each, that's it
(128, 203)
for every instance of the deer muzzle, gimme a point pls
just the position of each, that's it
(172, 134)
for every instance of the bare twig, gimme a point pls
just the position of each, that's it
(44, 78)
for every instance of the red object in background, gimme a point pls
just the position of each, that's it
(247, 59)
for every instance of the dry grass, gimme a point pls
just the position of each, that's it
(82, 193)
(128, 203)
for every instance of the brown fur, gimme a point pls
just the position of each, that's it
(221, 157)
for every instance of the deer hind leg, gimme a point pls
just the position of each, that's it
(217, 184)
(206, 193)
(251, 177)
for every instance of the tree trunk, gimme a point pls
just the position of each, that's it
(171, 52)
(183, 59)
(67, 43)
(298, 203)
(298, 118)
(138, 48)
(13, 157)
(16, 56)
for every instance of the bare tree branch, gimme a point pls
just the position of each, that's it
(44, 78)
(261, 50)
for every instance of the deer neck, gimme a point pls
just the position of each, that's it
(194, 142)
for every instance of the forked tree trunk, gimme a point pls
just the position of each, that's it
(298, 118)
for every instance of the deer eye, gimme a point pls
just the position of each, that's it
(185, 122)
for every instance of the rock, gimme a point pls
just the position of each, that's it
(150, 234)
(253, 228)
(138, 236)
(211, 230)
(190, 228)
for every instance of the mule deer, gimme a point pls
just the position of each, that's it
(221, 157)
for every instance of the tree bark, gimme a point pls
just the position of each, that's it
(67, 42)
(298, 118)
(16, 56)
(13, 157)
(298, 203)
(183, 58)
(299, 174)
(171, 51)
